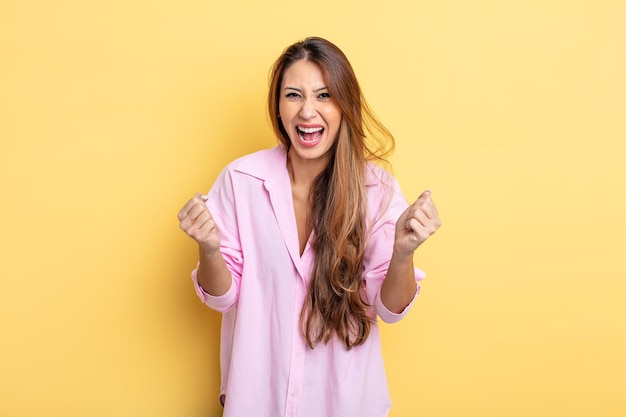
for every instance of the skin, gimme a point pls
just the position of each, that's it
(195, 220)
(306, 102)
(416, 224)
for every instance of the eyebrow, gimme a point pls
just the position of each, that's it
(299, 90)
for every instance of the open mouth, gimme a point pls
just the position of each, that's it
(309, 134)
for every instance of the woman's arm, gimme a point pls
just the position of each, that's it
(196, 220)
(416, 224)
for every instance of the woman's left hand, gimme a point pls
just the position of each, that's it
(416, 224)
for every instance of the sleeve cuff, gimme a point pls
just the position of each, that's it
(220, 303)
(389, 316)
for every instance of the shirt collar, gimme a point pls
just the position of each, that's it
(272, 167)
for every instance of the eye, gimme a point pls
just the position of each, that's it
(324, 95)
(292, 95)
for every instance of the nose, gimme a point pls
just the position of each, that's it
(308, 109)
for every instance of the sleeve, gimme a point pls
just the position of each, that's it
(386, 204)
(221, 204)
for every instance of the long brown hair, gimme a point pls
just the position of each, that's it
(333, 304)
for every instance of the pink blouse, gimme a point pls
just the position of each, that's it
(267, 369)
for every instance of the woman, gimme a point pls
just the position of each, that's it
(303, 245)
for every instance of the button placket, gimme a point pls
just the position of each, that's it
(296, 371)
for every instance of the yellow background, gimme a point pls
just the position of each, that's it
(113, 113)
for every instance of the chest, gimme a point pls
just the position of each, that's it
(302, 215)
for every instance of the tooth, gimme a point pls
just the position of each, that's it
(310, 129)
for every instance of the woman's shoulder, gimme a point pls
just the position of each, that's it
(376, 175)
(385, 198)
(383, 191)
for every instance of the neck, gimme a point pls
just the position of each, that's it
(304, 172)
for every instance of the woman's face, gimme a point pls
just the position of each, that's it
(310, 116)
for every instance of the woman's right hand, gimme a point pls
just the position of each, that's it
(196, 220)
